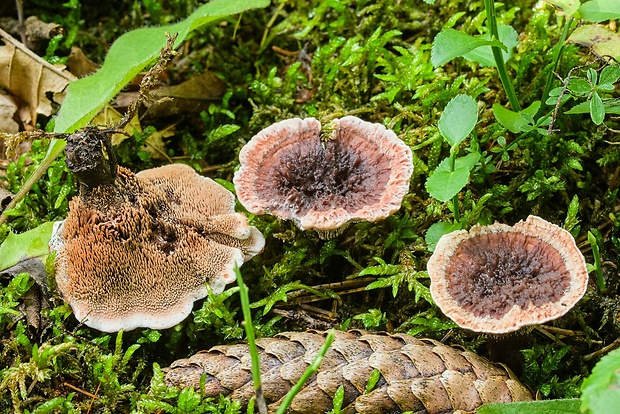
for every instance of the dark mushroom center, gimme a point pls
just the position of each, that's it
(324, 175)
(490, 273)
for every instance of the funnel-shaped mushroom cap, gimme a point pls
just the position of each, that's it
(361, 172)
(138, 252)
(498, 278)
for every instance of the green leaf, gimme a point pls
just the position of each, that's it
(32, 243)
(568, 7)
(468, 161)
(580, 108)
(597, 109)
(450, 43)
(436, 230)
(599, 10)
(568, 406)
(601, 390)
(129, 54)
(443, 185)
(609, 75)
(458, 119)
(483, 55)
(516, 121)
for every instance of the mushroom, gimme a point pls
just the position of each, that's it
(136, 250)
(497, 278)
(360, 171)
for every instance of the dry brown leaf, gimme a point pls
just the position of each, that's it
(8, 108)
(190, 97)
(29, 77)
(78, 64)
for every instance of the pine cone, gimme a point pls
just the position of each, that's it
(419, 375)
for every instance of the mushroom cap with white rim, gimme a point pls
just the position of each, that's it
(361, 171)
(140, 251)
(498, 278)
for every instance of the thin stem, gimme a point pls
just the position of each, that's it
(556, 62)
(489, 5)
(249, 332)
(455, 199)
(597, 262)
(307, 374)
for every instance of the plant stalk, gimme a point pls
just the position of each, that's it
(455, 199)
(489, 5)
(307, 374)
(249, 332)
(556, 62)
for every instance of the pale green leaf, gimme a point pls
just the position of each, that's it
(483, 55)
(597, 109)
(603, 41)
(450, 43)
(19, 247)
(599, 10)
(601, 390)
(458, 119)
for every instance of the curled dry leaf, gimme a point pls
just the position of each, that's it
(419, 375)
(30, 78)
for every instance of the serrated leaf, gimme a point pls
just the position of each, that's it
(458, 119)
(483, 55)
(597, 109)
(599, 10)
(580, 108)
(19, 247)
(601, 390)
(128, 55)
(568, 406)
(443, 185)
(450, 43)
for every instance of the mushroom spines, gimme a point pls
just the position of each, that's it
(360, 171)
(498, 278)
(145, 261)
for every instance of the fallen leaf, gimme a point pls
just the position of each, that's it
(603, 41)
(30, 78)
(8, 108)
(78, 64)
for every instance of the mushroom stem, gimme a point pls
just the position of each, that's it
(91, 158)
(506, 348)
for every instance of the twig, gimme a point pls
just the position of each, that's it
(88, 394)
(603, 350)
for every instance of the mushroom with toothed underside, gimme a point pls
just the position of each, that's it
(136, 250)
(360, 171)
(498, 278)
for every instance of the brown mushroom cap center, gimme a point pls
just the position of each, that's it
(322, 175)
(490, 273)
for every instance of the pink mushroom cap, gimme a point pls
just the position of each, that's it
(361, 171)
(498, 278)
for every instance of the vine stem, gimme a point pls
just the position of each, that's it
(489, 6)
